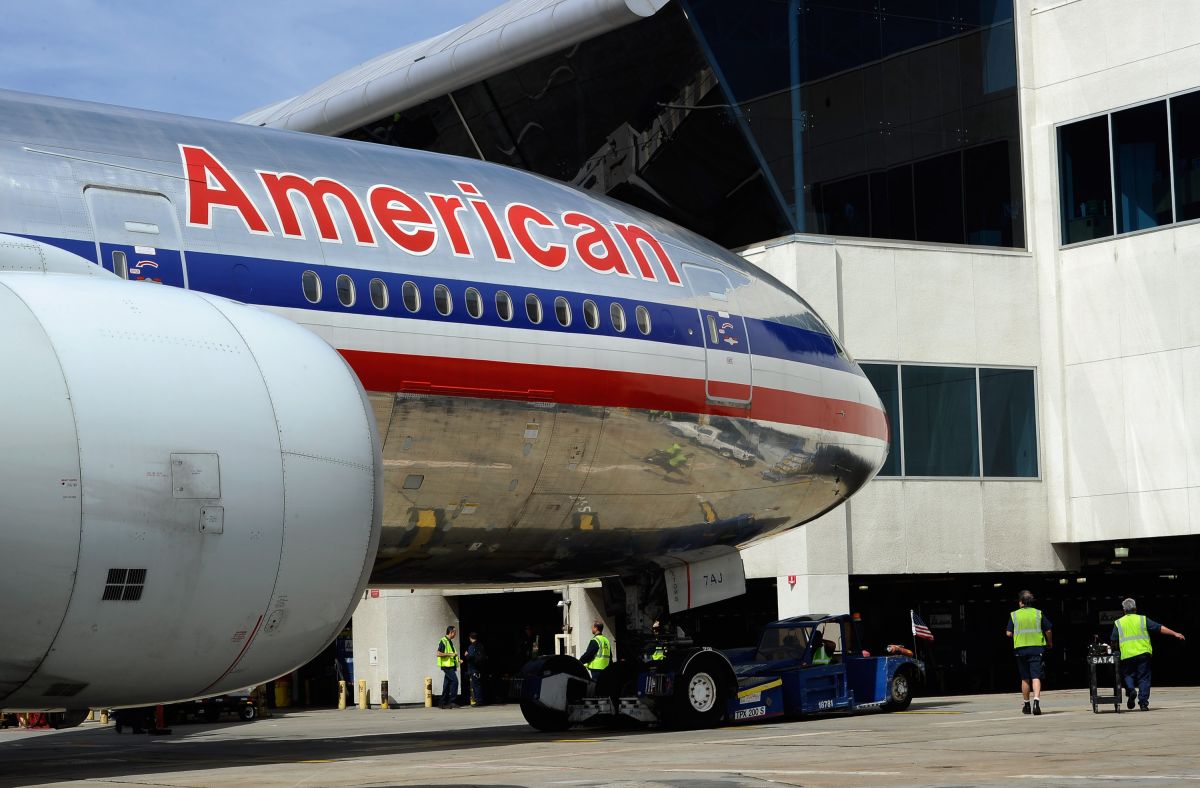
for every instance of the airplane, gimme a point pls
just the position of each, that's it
(249, 370)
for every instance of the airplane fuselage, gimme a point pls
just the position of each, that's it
(562, 386)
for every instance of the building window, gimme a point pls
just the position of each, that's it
(805, 116)
(1086, 180)
(1143, 161)
(1143, 182)
(886, 380)
(1007, 407)
(941, 436)
(950, 421)
(1185, 142)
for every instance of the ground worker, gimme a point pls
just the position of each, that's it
(447, 660)
(598, 655)
(1131, 633)
(657, 650)
(1032, 635)
(823, 650)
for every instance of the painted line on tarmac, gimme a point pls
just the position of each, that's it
(789, 772)
(1000, 719)
(1110, 777)
(782, 736)
(921, 711)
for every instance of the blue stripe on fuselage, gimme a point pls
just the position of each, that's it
(277, 283)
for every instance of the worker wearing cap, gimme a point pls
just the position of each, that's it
(1131, 633)
(1031, 634)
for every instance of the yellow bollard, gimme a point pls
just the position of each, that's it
(91, 717)
(428, 692)
(383, 695)
(342, 694)
(103, 716)
(364, 701)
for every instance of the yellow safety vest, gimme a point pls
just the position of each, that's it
(820, 656)
(446, 646)
(659, 654)
(603, 654)
(1135, 638)
(1027, 627)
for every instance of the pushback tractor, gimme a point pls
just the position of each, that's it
(803, 665)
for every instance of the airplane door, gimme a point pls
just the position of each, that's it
(726, 346)
(137, 235)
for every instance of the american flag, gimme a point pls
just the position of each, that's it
(918, 627)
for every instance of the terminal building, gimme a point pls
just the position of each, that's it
(994, 203)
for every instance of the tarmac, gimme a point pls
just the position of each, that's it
(959, 740)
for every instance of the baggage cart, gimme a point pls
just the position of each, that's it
(1104, 673)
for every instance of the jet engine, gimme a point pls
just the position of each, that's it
(193, 497)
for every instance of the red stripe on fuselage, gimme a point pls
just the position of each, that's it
(463, 377)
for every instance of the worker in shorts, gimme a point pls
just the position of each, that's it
(1031, 634)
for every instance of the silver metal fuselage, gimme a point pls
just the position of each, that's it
(512, 450)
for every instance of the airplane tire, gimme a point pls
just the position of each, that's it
(899, 691)
(542, 718)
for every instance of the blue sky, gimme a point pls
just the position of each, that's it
(216, 58)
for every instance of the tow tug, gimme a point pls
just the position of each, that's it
(802, 665)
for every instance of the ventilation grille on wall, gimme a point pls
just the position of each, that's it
(124, 585)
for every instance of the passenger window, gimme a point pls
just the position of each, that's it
(504, 306)
(441, 300)
(312, 286)
(120, 264)
(616, 313)
(345, 290)
(713, 337)
(562, 311)
(642, 316)
(411, 296)
(533, 308)
(474, 302)
(379, 294)
(591, 313)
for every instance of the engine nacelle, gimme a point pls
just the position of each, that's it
(190, 493)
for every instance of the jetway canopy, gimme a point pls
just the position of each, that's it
(513, 33)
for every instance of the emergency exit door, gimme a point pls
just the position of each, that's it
(728, 375)
(137, 237)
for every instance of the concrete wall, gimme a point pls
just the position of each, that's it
(403, 628)
(1130, 369)
(894, 302)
